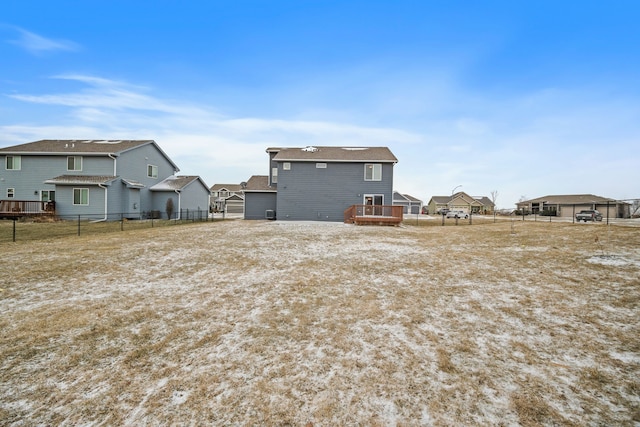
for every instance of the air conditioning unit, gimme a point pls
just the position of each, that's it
(270, 214)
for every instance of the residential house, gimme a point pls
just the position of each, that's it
(260, 198)
(227, 198)
(96, 179)
(410, 204)
(189, 196)
(479, 205)
(568, 205)
(320, 183)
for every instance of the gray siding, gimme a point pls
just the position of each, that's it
(132, 165)
(131, 202)
(308, 193)
(29, 180)
(194, 200)
(256, 204)
(67, 210)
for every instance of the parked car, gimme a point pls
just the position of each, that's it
(442, 211)
(588, 215)
(457, 214)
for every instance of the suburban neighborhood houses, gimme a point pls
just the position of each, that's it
(320, 183)
(106, 180)
(97, 179)
(569, 205)
(461, 201)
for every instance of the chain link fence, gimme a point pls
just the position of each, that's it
(28, 228)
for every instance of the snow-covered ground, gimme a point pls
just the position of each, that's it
(301, 323)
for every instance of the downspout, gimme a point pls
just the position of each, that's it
(179, 201)
(105, 204)
(114, 163)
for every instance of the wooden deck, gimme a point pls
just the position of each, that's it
(373, 215)
(22, 208)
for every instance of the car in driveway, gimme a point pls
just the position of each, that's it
(589, 215)
(457, 214)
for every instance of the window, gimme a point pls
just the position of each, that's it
(74, 163)
(47, 195)
(373, 172)
(13, 163)
(152, 171)
(11, 192)
(321, 165)
(274, 175)
(81, 196)
(286, 166)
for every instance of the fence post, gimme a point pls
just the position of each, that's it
(14, 229)
(121, 221)
(78, 225)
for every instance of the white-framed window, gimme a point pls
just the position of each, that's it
(321, 165)
(286, 166)
(74, 163)
(13, 163)
(274, 175)
(152, 171)
(373, 199)
(81, 196)
(373, 172)
(11, 192)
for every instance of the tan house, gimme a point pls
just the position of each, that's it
(227, 198)
(570, 204)
(461, 201)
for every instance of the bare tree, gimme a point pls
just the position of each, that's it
(494, 197)
(169, 208)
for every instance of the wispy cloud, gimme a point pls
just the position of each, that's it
(523, 143)
(200, 139)
(38, 45)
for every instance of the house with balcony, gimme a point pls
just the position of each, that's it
(94, 179)
(351, 184)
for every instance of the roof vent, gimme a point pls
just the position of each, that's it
(310, 149)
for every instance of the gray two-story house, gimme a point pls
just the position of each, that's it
(320, 183)
(96, 179)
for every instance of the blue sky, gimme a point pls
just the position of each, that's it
(526, 98)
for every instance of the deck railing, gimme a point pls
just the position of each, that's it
(18, 208)
(373, 214)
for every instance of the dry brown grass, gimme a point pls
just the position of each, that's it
(262, 323)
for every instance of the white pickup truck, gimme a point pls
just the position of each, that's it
(457, 214)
